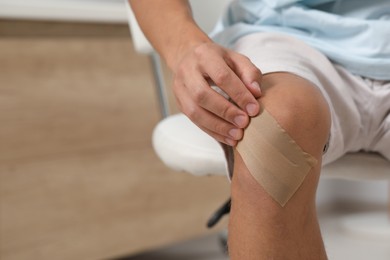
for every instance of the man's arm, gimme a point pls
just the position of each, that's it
(196, 61)
(169, 26)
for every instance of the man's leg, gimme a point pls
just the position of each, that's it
(259, 227)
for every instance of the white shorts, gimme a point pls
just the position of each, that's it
(360, 107)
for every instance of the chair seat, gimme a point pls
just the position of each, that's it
(182, 146)
(358, 166)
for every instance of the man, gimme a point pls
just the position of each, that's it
(319, 68)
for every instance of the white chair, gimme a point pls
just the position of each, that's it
(182, 146)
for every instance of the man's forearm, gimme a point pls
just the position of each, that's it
(169, 26)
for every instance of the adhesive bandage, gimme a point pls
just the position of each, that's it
(273, 158)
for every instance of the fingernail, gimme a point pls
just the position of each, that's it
(235, 134)
(251, 108)
(230, 142)
(240, 121)
(256, 86)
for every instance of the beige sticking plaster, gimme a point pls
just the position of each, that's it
(274, 159)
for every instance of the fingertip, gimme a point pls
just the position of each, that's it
(252, 109)
(241, 121)
(230, 142)
(256, 89)
(256, 86)
(235, 133)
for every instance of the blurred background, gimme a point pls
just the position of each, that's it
(78, 175)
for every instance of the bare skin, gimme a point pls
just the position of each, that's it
(195, 61)
(259, 228)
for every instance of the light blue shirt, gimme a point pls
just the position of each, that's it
(352, 33)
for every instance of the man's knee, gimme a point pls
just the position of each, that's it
(299, 108)
(302, 114)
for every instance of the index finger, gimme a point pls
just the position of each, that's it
(225, 78)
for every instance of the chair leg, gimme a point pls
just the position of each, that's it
(388, 201)
(160, 85)
(223, 210)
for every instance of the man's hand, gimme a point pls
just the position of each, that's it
(196, 61)
(234, 74)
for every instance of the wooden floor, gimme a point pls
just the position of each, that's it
(78, 176)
